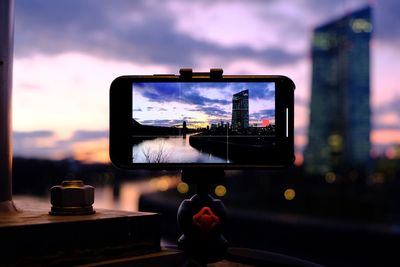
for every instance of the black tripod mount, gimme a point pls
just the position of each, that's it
(202, 218)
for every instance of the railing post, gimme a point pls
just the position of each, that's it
(6, 64)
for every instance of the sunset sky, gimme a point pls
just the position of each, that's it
(68, 52)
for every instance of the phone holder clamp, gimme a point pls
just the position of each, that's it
(213, 74)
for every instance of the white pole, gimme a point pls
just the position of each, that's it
(6, 64)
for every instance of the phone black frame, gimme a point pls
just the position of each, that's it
(121, 117)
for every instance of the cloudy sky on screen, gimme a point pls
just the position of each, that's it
(68, 52)
(199, 104)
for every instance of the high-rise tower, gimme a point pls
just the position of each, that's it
(240, 110)
(339, 131)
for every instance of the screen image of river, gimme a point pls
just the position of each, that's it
(171, 149)
(203, 122)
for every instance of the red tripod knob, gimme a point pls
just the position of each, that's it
(205, 219)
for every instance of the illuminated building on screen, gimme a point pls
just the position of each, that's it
(240, 110)
(339, 131)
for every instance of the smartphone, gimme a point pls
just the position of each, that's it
(177, 122)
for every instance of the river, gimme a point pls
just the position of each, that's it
(174, 149)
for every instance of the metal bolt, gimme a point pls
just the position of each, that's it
(72, 198)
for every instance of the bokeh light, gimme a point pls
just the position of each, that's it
(220, 191)
(182, 188)
(289, 194)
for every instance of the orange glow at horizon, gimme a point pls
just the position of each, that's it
(385, 136)
(95, 151)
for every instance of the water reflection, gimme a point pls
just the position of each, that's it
(104, 198)
(130, 191)
(171, 149)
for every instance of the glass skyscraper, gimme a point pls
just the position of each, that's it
(240, 110)
(339, 129)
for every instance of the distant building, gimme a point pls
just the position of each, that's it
(240, 110)
(339, 131)
(184, 128)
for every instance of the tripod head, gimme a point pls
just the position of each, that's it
(202, 218)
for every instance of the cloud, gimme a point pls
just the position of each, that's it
(172, 92)
(194, 98)
(85, 135)
(392, 106)
(138, 31)
(261, 91)
(164, 123)
(26, 135)
(386, 126)
(329, 9)
(45, 144)
(212, 99)
(147, 31)
(188, 118)
(263, 114)
(386, 116)
(256, 90)
(169, 123)
(37, 143)
(299, 101)
(211, 111)
(300, 130)
(193, 93)
(387, 19)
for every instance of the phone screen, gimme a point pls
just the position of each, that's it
(202, 122)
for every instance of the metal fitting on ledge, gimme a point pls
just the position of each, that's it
(72, 198)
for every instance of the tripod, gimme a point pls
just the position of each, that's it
(202, 219)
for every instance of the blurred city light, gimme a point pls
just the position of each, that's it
(330, 177)
(289, 194)
(378, 178)
(391, 153)
(336, 142)
(361, 25)
(220, 191)
(162, 184)
(182, 188)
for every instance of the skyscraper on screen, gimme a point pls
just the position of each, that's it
(240, 110)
